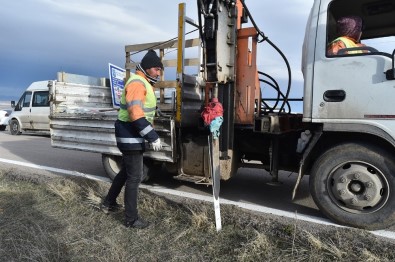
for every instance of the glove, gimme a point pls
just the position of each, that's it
(215, 125)
(156, 145)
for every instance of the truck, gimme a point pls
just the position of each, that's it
(344, 140)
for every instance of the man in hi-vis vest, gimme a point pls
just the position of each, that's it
(133, 126)
(349, 30)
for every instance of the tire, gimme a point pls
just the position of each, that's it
(2, 127)
(15, 127)
(353, 184)
(112, 165)
(150, 170)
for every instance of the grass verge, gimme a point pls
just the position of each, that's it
(56, 219)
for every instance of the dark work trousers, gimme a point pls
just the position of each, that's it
(130, 176)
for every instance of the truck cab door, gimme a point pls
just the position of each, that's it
(352, 88)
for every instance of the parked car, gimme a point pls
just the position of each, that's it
(4, 117)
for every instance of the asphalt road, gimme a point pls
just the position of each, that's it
(248, 186)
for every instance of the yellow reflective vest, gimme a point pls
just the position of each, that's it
(349, 44)
(149, 105)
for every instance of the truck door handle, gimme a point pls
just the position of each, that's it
(334, 95)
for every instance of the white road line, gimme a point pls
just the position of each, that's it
(57, 170)
(256, 208)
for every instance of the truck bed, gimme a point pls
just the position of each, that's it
(82, 118)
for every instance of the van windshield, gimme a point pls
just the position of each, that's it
(24, 101)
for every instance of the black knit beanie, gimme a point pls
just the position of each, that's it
(151, 60)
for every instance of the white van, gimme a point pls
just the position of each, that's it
(31, 113)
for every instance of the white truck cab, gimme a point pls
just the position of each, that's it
(349, 105)
(32, 110)
(353, 90)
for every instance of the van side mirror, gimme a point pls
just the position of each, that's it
(390, 74)
(12, 104)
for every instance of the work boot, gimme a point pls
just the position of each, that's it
(138, 223)
(108, 208)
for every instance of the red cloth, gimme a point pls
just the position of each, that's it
(211, 111)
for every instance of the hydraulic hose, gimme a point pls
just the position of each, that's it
(279, 94)
(277, 87)
(265, 38)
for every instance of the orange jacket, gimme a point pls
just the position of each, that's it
(135, 91)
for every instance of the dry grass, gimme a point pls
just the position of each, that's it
(55, 219)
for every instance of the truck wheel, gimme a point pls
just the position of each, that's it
(353, 184)
(150, 169)
(112, 164)
(15, 127)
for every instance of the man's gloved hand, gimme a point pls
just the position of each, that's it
(156, 145)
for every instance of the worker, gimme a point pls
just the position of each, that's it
(349, 30)
(133, 126)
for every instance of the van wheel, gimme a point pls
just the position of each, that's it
(112, 165)
(354, 184)
(15, 127)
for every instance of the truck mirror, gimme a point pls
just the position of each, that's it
(12, 104)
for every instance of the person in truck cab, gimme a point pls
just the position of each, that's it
(133, 126)
(349, 30)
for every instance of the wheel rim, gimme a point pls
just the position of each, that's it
(112, 161)
(358, 187)
(14, 127)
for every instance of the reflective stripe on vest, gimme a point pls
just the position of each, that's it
(132, 103)
(145, 130)
(349, 44)
(126, 140)
(149, 106)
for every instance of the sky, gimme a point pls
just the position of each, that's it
(42, 37)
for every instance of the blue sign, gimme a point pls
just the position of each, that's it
(117, 76)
